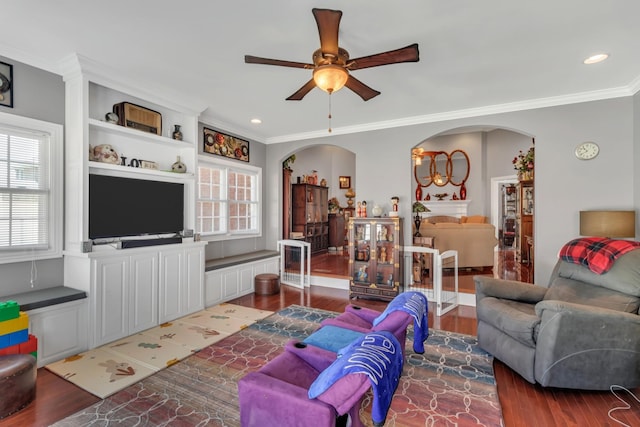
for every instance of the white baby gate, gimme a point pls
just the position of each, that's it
(439, 288)
(295, 263)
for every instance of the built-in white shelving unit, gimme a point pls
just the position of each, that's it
(128, 289)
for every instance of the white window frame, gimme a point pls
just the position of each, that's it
(208, 161)
(55, 133)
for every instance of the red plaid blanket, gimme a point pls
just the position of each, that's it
(596, 253)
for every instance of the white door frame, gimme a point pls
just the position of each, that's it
(496, 182)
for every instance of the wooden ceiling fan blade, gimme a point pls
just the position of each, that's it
(300, 93)
(267, 61)
(328, 24)
(364, 91)
(406, 54)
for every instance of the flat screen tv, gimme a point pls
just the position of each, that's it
(120, 207)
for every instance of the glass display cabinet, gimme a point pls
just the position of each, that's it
(375, 257)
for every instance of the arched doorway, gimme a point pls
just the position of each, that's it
(329, 163)
(491, 152)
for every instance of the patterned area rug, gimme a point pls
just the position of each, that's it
(451, 384)
(112, 367)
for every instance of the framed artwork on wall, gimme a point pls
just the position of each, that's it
(345, 182)
(220, 144)
(6, 84)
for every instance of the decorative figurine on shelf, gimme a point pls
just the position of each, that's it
(463, 191)
(361, 275)
(428, 197)
(177, 133)
(394, 206)
(383, 255)
(359, 210)
(111, 117)
(104, 153)
(364, 209)
(417, 273)
(178, 166)
(454, 197)
(390, 280)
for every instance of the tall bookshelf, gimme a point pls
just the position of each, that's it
(310, 214)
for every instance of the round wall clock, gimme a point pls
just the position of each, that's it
(587, 150)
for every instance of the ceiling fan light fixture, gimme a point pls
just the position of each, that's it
(330, 77)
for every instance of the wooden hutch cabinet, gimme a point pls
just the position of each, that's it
(310, 214)
(375, 257)
(524, 220)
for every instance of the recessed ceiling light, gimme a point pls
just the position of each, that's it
(256, 121)
(594, 59)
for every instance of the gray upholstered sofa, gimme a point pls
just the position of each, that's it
(581, 332)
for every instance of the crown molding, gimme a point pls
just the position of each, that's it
(510, 107)
(76, 65)
(28, 59)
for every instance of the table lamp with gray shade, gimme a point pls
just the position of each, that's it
(611, 224)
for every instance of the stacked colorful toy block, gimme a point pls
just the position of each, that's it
(14, 331)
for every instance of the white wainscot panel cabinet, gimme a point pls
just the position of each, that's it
(126, 290)
(224, 284)
(61, 330)
(181, 284)
(110, 307)
(132, 290)
(143, 294)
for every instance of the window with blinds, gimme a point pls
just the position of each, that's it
(30, 191)
(228, 200)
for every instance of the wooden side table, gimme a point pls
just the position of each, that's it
(426, 260)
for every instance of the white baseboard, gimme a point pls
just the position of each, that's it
(330, 282)
(337, 283)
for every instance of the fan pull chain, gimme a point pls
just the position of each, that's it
(330, 92)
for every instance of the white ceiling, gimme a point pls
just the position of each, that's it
(476, 57)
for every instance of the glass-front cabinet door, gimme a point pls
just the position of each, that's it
(375, 257)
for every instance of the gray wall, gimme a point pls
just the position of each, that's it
(564, 185)
(225, 248)
(37, 94)
(331, 162)
(635, 176)
(501, 147)
(490, 155)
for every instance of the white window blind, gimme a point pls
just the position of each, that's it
(30, 191)
(228, 202)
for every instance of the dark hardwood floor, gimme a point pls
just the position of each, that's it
(523, 404)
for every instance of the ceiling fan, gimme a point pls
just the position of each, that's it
(331, 63)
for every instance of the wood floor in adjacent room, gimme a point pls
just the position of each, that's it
(523, 404)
